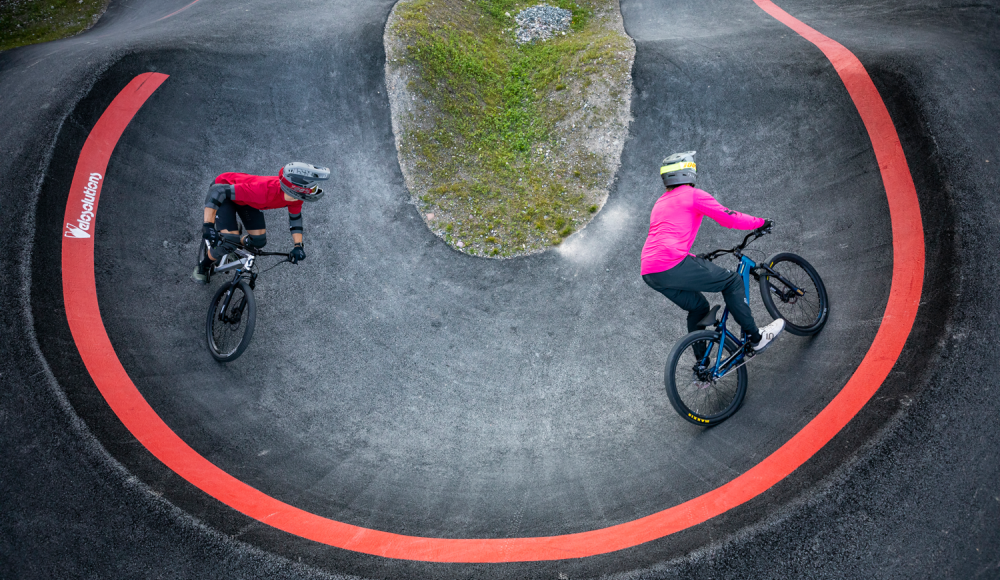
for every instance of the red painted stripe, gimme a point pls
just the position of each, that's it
(904, 296)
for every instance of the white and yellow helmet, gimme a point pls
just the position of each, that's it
(679, 169)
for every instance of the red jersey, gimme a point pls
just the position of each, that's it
(259, 192)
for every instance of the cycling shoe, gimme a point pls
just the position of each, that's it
(199, 275)
(768, 334)
(202, 273)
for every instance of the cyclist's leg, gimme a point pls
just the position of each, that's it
(693, 302)
(730, 284)
(253, 222)
(225, 222)
(700, 275)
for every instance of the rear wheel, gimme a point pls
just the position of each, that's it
(231, 318)
(796, 294)
(694, 392)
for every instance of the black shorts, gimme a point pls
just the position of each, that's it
(225, 217)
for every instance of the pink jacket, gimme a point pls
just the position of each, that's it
(674, 223)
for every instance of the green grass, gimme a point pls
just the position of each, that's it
(486, 159)
(25, 22)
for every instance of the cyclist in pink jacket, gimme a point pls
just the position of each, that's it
(668, 265)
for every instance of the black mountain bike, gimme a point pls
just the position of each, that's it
(233, 311)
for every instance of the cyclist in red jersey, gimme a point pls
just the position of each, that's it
(247, 195)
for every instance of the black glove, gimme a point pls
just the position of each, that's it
(768, 224)
(297, 254)
(210, 234)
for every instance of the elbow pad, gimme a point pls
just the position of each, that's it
(219, 193)
(295, 223)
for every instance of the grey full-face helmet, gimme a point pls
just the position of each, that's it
(301, 180)
(679, 169)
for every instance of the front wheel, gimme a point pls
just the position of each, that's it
(231, 318)
(692, 387)
(795, 293)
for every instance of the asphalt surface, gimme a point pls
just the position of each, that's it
(395, 384)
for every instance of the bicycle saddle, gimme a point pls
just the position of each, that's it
(709, 319)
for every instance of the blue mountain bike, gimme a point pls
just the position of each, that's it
(706, 377)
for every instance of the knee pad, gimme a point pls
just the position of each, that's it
(257, 241)
(218, 193)
(230, 241)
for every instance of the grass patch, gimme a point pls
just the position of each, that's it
(25, 22)
(491, 139)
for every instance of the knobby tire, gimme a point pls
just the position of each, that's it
(701, 402)
(804, 315)
(227, 339)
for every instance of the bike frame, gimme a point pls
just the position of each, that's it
(723, 366)
(225, 264)
(746, 269)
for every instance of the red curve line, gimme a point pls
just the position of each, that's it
(97, 353)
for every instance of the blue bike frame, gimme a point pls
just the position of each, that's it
(721, 366)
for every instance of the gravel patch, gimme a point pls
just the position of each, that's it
(541, 23)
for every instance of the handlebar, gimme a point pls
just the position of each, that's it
(286, 255)
(255, 251)
(737, 250)
(259, 253)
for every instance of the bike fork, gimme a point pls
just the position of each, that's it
(224, 305)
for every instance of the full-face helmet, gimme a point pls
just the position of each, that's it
(301, 180)
(679, 169)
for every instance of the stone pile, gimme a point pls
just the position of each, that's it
(541, 23)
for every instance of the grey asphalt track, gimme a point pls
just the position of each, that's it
(395, 384)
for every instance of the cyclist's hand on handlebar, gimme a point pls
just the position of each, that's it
(210, 234)
(768, 224)
(297, 254)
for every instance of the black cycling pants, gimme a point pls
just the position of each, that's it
(225, 217)
(684, 283)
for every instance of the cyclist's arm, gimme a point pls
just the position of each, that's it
(725, 217)
(295, 224)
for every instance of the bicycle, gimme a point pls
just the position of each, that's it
(706, 378)
(233, 310)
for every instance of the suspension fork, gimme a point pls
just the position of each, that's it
(793, 290)
(224, 306)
